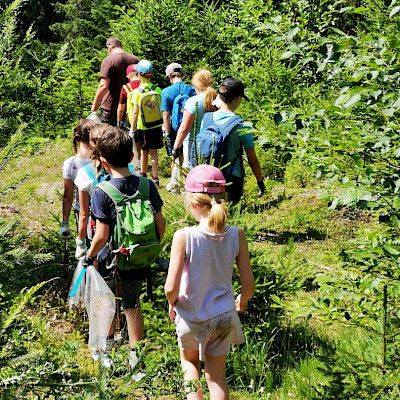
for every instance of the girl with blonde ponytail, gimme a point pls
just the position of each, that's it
(193, 113)
(199, 284)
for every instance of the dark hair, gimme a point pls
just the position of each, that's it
(176, 74)
(113, 42)
(116, 146)
(82, 132)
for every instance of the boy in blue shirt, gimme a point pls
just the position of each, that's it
(116, 151)
(174, 72)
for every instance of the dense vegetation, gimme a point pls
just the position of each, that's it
(323, 78)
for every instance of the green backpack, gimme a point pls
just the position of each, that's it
(135, 240)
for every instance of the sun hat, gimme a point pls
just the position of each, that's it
(144, 67)
(205, 179)
(231, 88)
(130, 68)
(173, 67)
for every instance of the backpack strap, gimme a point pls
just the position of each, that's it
(112, 192)
(126, 88)
(144, 187)
(229, 125)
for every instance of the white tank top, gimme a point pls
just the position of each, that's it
(206, 284)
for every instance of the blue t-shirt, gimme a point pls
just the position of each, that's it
(169, 93)
(102, 207)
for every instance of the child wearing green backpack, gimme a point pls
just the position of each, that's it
(127, 211)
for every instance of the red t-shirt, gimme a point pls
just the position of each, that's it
(113, 67)
(123, 97)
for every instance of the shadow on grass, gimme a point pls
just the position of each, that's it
(288, 236)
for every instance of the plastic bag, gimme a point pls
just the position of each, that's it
(100, 306)
(76, 295)
(94, 117)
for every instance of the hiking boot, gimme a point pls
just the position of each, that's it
(172, 187)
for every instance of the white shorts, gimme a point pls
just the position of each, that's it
(213, 336)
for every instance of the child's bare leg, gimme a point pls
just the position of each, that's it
(134, 320)
(191, 374)
(215, 371)
(154, 162)
(144, 161)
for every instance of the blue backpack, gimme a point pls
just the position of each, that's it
(178, 105)
(209, 143)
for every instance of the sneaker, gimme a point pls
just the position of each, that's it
(105, 361)
(95, 355)
(172, 187)
(133, 359)
(156, 181)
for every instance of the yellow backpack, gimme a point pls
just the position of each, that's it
(150, 107)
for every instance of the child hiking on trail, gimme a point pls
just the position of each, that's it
(237, 137)
(124, 114)
(86, 179)
(147, 119)
(115, 150)
(193, 113)
(70, 169)
(174, 98)
(199, 284)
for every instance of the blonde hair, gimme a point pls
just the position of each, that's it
(215, 203)
(202, 80)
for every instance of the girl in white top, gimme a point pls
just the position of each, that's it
(193, 113)
(70, 169)
(199, 284)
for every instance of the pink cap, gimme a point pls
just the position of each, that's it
(205, 179)
(130, 68)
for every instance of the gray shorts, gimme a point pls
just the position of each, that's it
(213, 337)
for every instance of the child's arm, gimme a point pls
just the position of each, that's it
(100, 238)
(176, 262)
(246, 274)
(160, 224)
(83, 214)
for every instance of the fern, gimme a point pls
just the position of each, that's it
(13, 144)
(18, 304)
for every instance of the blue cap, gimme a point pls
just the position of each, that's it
(144, 67)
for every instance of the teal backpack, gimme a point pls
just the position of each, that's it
(134, 242)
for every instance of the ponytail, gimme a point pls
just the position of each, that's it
(218, 216)
(82, 132)
(203, 82)
(215, 203)
(210, 95)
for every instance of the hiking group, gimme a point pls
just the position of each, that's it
(119, 211)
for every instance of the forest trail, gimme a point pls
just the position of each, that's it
(291, 232)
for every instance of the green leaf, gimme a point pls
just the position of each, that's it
(394, 11)
(286, 55)
(352, 100)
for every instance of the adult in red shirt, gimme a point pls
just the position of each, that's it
(112, 78)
